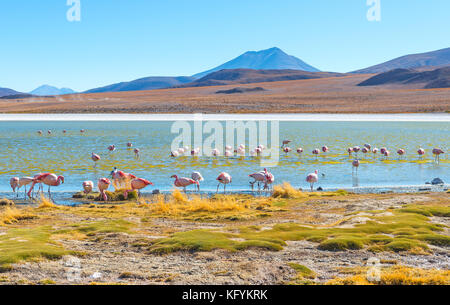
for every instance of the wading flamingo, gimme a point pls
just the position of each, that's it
(24, 181)
(95, 158)
(312, 178)
(386, 154)
(49, 131)
(325, 149)
(287, 149)
(120, 178)
(82, 130)
(225, 179)
(368, 146)
(112, 148)
(349, 150)
(64, 131)
(215, 152)
(258, 151)
(400, 153)
(355, 165)
(300, 151)
(137, 153)
(174, 154)
(183, 182)
(181, 151)
(356, 149)
(88, 186)
(14, 182)
(129, 144)
(195, 151)
(103, 184)
(39, 132)
(137, 184)
(436, 153)
(364, 150)
(260, 177)
(421, 152)
(374, 151)
(383, 150)
(48, 179)
(316, 152)
(270, 180)
(196, 176)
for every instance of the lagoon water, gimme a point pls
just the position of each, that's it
(24, 153)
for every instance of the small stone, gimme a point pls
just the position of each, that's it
(156, 192)
(320, 188)
(437, 181)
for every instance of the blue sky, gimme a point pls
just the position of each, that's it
(121, 40)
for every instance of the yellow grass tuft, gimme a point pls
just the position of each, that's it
(287, 191)
(44, 202)
(11, 215)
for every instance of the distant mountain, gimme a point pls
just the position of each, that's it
(437, 78)
(46, 90)
(147, 83)
(435, 58)
(7, 91)
(247, 76)
(270, 59)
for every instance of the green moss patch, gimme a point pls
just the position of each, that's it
(105, 226)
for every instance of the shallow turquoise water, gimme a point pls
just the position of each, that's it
(25, 153)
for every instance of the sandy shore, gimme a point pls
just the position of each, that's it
(125, 255)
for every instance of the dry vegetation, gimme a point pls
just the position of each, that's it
(328, 95)
(289, 238)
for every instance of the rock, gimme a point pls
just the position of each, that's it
(437, 181)
(6, 201)
(156, 192)
(427, 182)
(320, 188)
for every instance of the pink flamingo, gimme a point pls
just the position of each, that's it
(368, 146)
(121, 178)
(286, 149)
(270, 180)
(349, 150)
(421, 152)
(48, 179)
(386, 154)
(316, 152)
(82, 130)
(196, 176)
(88, 186)
(437, 152)
(64, 131)
(258, 150)
(103, 184)
(174, 154)
(129, 144)
(137, 184)
(300, 151)
(24, 181)
(401, 152)
(355, 165)
(364, 150)
(225, 179)
(374, 151)
(312, 178)
(111, 148)
(383, 150)
(49, 131)
(195, 151)
(183, 182)
(325, 149)
(95, 158)
(137, 153)
(356, 149)
(39, 132)
(215, 152)
(260, 177)
(14, 182)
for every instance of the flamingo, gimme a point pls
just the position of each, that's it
(355, 165)
(215, 152)
(112, 148)
(258, 150)
(349, 150)
(174, 154)
(225, 179)
(64, 131)
(103, 184)
(325, 149)
(365, 150)
(387, 153)
(374, 151)
(14, 182)
(401, 152)
(259, 178)
(383, 150)
(356, 149)
(270, 179)
(129, 144)
(285, 142)
(437, 152)
(312, 178)
(228, 147)
(137, 152)
(228, 153)
(195, 151)
(137, 184)
(316, 152)
(368, 146)
(421, 152)
(286, 149)
(260, 146)
(49, 179)
(300, 151)
(82, 130)
(241, 151)
(95, 158)
(121, 178)
(24, 181)
(88, 186)
(39, 132)
(49, 131)
(183, 182)
(196, 176)
(181, 151)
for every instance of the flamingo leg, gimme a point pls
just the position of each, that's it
(218, 188)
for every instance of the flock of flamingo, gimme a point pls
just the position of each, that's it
(129, 182)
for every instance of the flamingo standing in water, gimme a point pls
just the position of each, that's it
(285, 142)
(386, 154)
(355, 165)
(356, 149)
(421, 152)
(368, 146)
(300, 151)
(316, 152)
(24, 181)
(215, 152)
(196, 176)
(312, 178)
(88, 186)
(270, 179)
(111, 148)
(225, 179)
(136, 153)
(183, 182)
(195, 151)
(383, 150)
(349, 150)
(95, 158)
(103, 184)
(39, 132)
(129, 144)
(48, 179)
(14, 182)
(174, 154)
(260, 177)
(137, 184)
(400, 153)
(364, 150)
(436, 153)
(374, 151)
(325, 149)
(286, 149)
(120, 178)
